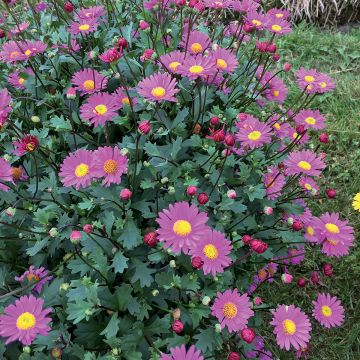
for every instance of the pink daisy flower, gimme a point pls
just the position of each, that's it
(110, 164)
(35, 275)
(328, 310)
(225, 60)
(158, 87)
(111, 55)
(122, 97)
(295, 255)
(27, 144)
(217, 4)
(292, 327)
(335, 235)
(307, 79)
(19, 28)
(24, 320)
(77, 169)
(196, 42)
(181, 226)
(89, 81)
(83, 26)
(257, 20)
(304, 162)
(300, 138)
(232, 310)
(280, 127)
(213, 249)
(309, 185)
(275, 89)
(279, 13)
(180, 353)
(253, 133)
(309, 228)
(12, 52)
(172, 60)
(16, 80)
(324, 83)
(99, 108)
(278, 26)
(195, 67)
(92, 12)
(274, 181)
(310, 119)
(5, 174)
(245, 6)
(19, 174)
(32, 48)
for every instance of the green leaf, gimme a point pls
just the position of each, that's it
(142, 273)
(112, 327)
(130, 236)
(119, 262)
(77, 311)
(207, 339)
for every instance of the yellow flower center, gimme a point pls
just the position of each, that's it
(309, 78)
(276, 27)
(81, 170)
(84, 27)
(279, 16)
(262, 274)
(14, 54)
(16, 173)
(334, 229)
(30, 147)
(158, 92)
(110, 166)
(276, 93)
(125, 101)
(304, 165)
(100, 109)
(332, 242)
(196, 48)
(196, 69)
(323, 84)
(310, 230)
(277, 126)
(256, 22)
(21, 81)
(25, 321)
(230, 310)
(31, 277)
(308, 186)
(295, 135)
(174, 65)
(254, 135)
(28, 52)
(210, 251)
(289, 327)
(221, 64)
(89, 85)
(310, 120)
(182, 228)
(326, 311)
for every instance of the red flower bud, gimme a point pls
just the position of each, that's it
(242, 116)
(281, 165)
(125, 194)
(324, 138)
(276, 57)
(196, 262)
(258, 246)
(233, 356)
(246, 239)
(314, 277)
(151, 239)
(144, 127)
(301, 283)
(218, 135)
(68, 7)
(178, 326)
(300, 129)
(271, 48)
(327, 269)
(122, 43)
(261, 46)
(248, 28)
(230, 140)
(287, 67)
(191, 190)
(248, 335)
(2, 33)
(88, 229)
(297, 225)
(214, 121)
(331, 193)
(203, 198)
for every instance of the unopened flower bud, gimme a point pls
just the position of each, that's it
(191, 190)
(248, 335)
(125, 194)
(35, 119)
(217, 328)
(268, 210)
(88, 229)
(327, 269)
(206, 300)
(233, 356)
(53, 232)
(330, 193)
(196, 262)
(286, 278)
(231, 194)
(172, 264)
(176, 314)
(203, 198)
(75, 236)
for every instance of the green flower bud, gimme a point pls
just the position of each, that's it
(171, 190)
(172, 264)
(164, 180)
(27, 349)
(35, 119)
(64, 286)
(155, 292)
(53, 232)
(218, 328)
(206, 300)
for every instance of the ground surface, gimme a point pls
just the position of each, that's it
(336, 53)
